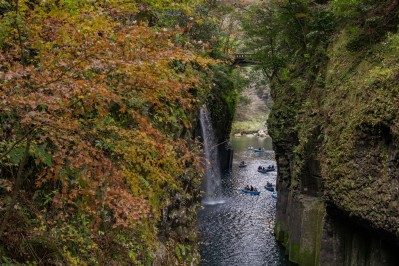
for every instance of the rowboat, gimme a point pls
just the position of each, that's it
(266, 170)
(250, 192)
(274, 194)
(259, 150)
(242, 165)
(269, 188)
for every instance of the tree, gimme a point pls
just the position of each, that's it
(91, 95)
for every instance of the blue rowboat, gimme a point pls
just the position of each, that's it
(269, 188)
(265, 171)
(243, 165)
(274, 194)
(257, 150)
(250, 192)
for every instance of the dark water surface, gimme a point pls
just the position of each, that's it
(237, 229)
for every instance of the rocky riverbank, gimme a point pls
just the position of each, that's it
(253, 107)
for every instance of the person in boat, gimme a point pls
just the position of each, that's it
(242, 163)
(252, 188)
(268, 184)
(246, 187)
(259, 167)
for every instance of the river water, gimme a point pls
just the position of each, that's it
(236, 228)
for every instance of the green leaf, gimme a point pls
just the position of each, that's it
(145, 181)
(16, 155)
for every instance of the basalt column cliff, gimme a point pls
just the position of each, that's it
(335, 128)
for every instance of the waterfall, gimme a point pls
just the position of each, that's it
(211, 160)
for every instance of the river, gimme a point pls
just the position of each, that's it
(237, 229)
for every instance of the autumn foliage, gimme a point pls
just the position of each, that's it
(93, 100)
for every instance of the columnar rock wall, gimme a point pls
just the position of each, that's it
(337, 154)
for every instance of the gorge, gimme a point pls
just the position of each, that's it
(104, 131)
(332, 70)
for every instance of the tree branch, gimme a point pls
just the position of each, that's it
(18, 183)
(21, 46)
(18, 141)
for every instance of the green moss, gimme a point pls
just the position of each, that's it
(294, 253)
(222, 99)
(304, 250)
(281, 235)
(301, 256)
(307, 257)
(368, 103)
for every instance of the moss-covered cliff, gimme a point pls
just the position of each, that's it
(360, 151)
(334, 126)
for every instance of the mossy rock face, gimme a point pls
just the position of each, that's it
(351, 129)
(350, 126)
(222, 100)
(335, 130)
(360, 150)
(300, 256)
(303, 235)
(281, 122)
(281, 235)
(345, 242)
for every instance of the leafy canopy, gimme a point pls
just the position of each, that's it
(99, 91)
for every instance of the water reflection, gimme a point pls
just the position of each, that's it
(240, 231)
(212, 202)
(242, 143)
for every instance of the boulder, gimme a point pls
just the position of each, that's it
(262, 133)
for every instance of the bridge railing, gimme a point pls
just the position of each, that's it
(242, 55)
(243, 58)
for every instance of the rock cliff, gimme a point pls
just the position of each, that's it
(336, 144)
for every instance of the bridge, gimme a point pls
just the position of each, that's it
(243, 59)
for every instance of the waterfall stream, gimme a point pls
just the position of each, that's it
(211, 160)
